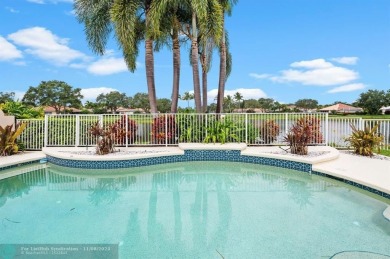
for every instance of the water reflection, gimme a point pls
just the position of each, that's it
(184, 208)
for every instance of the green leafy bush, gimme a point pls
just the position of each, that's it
(21, 111)
(221, 131)
(8, 139)
(190, 128)
(365, 141)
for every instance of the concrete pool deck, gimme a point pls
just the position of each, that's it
(374, 173)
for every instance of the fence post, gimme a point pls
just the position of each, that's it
(166, 130)
(46, 130)
(361, 124)
(326, 129)
(127, 129)
(77, 131)
(246, 128)
(286, 124)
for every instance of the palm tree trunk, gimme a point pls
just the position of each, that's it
(176, 70)
(195, 68)
(204, 87)
(149, 64)
(222, 73)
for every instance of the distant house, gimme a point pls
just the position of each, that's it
(122, 110)
(251, 110)
(341, 108)
(385, 110)
(51, 110)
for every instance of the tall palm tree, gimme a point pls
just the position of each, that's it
(227, 7)
(206, 16)
(168, 23)
(238, 97)
(187, 97)
(101, 17)
(228, 102)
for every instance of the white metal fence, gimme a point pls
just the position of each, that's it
(172, 129)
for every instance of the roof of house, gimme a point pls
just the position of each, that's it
(341, 107)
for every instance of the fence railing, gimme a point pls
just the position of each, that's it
(172, 129)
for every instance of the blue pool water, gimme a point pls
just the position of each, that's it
(193, 210)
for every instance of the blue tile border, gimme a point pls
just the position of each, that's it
(189, 155)
(358, 185)
(21, 164)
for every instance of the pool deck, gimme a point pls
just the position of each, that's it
(374, 173)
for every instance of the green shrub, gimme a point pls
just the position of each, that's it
(191, 128)
(365, 141)
(221, 131)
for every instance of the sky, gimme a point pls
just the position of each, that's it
(327, 50)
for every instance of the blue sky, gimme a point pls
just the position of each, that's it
(328, 50)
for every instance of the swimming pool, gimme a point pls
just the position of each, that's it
(193, 210)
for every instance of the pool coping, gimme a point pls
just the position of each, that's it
(325, 165)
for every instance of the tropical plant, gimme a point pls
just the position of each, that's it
(8, 139)
(164, 129)
(238, 97)
(190, 128)
(187, 96)
(305, 131)
(105, 137)
(221, 131)
(269, 131)
(225, 56)
(298, 138)
(130, 133)
(365, 141)
(314, 124)
(124, 17)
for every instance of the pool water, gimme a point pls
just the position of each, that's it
(193, 210)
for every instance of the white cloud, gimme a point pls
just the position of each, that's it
(90, 94)
(8, 51)
(247, 93)
(260, 76)
(312, 64)
(346, 60)
(347, 88)
(107, 66)
(316, 72)
(319, 76)
(12, 10)
(43, 44)
(36, 1)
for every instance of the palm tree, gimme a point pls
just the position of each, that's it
(224, 55)
(206, 16)
(228, 102)
(168, 22)
(187, 97)
(238, 97)
(100, 17)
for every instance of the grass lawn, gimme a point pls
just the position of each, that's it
(385, 152)
(382, 116)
